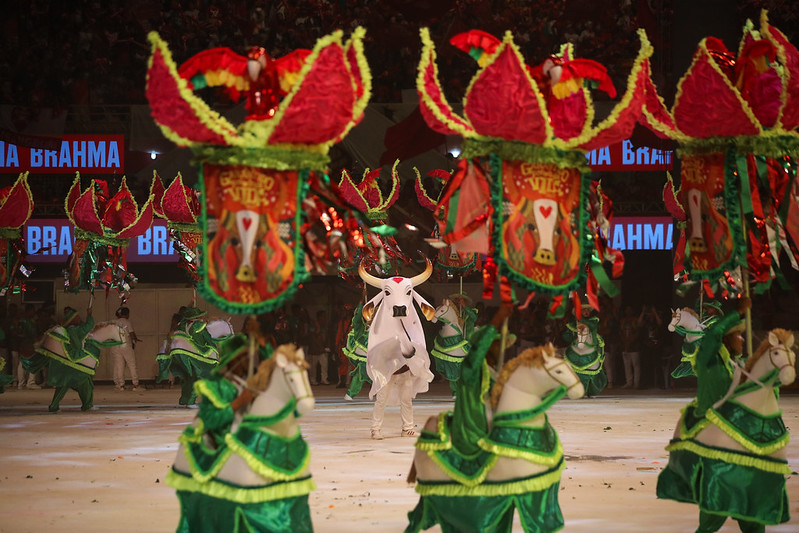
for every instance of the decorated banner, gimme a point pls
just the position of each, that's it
(251, 247)
(449, 259)
(541, 217)
(254, 177)
(526, 133)
(180, 206)
(104, 225)
(16, 206)
(735, 118)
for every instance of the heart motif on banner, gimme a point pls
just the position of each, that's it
(246, 223)
(545, 210)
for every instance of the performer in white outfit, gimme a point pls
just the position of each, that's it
(123, 354)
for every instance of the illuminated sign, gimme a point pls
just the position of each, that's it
(50, 240)
(641, 233)
(99, 154)
(622, 156)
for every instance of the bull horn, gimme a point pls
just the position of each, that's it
(369, 279)
(418, 279)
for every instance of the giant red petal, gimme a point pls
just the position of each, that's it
(17, 203)
(789, 57)
(502, 102)
(707, 105)
(139, 225)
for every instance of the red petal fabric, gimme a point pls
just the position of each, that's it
(84, 215)
(157, 192)
(214, 59)
(789, 56)
(16, 206)
(432, 90)
(121, 210)
(655, 107)
(73, 195)
(502, 102)
(349, 191)
(179, 203)
(568, 115)
(138, 227)
(475, 39)
(322, 108)
(171, 110)
(708, 107)
(589, 69)
(292, 62)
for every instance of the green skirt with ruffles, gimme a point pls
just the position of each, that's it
(594, 381)
(740, 485)
(184, 366)
(539, 511)
(280, 507)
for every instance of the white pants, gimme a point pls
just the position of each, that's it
(322, 360)
(21, 376)
(632, 369)
(123, 355)
(404, 385)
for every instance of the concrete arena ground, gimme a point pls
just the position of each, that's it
(104, 470)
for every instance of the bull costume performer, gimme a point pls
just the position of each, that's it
(397, 360)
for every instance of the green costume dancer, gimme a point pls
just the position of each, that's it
(5, 379)
(355, 350)
(587, 361)
(451, 346)
(746, 485)
(209, 504)
(189, 360)
(75, 368)
(466, 450)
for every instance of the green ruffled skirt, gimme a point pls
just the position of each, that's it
(539, 511)
(200, 513)
(723, 488)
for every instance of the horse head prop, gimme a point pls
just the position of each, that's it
(465, 491)
(254, 467)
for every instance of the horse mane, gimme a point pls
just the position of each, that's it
(260, 380)
(781, 334)
(530, 357)
(690, 312)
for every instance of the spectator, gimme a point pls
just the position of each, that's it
(123, 355)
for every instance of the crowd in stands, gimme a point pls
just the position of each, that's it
(90, 52)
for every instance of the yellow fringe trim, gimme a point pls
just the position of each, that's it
(356, 43)
(64, 361)
(202, 389)
(684, 433)
(429, 59)
(736, 435)
(702, 53)
(262, 469)
(507, 42)
(240, 494)
(784, 75)
(532, 456)
(532, 484)
(644, 52)
(262, 130)
(197, 438)
(729, 457)
(207, 116)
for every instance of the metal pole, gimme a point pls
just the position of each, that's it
(251, 333)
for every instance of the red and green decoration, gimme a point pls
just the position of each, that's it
(255, 177)
(735, 117)
(374, 241)
(104, 225)
(16, 206)
(179, 205)
(526, 131)
(449, 260)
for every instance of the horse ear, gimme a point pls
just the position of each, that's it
(789, 341)
(773, 339)
(280, 359)
(300, 353)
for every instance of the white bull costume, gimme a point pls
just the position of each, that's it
(396, 359)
